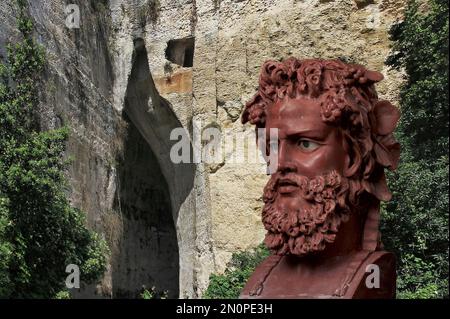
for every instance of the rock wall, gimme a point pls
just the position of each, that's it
(136, 69)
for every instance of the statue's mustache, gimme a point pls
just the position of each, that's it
(281, 179)
(286, 184)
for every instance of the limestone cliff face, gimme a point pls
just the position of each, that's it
(136, 69)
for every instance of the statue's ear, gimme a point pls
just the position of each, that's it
(378, 186)
(386, 116)
(351, 166)
(352, 158)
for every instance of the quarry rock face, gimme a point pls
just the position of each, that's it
(136, 69)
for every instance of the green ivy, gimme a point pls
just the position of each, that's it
(40, 233)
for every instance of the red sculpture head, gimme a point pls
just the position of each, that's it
(334, 142)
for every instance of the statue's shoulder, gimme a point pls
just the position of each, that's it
(375, 277)
(256, 281)
(363, 274)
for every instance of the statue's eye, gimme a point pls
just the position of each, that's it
(307, 145)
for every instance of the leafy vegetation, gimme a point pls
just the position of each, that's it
(40, 233)
(415, 222)
(153, 293)
(230, 284)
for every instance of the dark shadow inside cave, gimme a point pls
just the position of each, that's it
(150, 191)
(147, 255)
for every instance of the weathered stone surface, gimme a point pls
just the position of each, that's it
(180, 82)
(215, 208)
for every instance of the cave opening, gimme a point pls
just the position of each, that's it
(181, 51)
(147, 255)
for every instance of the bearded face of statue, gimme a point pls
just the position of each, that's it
(329, 140)
(306, 199)
(335, 139)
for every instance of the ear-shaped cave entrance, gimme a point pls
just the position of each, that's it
(148, 194)
(148, 253)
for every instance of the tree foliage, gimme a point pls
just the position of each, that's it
(420, 49)
(415, 222)
(40, 233)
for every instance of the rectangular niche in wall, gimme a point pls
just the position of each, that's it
(181, 51)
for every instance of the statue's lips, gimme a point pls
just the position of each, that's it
(286, 186)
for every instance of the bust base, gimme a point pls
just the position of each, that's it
(341, 277)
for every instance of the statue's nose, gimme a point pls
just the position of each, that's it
(286, 167)
(285, 164)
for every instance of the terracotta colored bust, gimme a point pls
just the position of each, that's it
(321, 207)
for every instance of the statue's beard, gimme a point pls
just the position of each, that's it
(307, 219)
